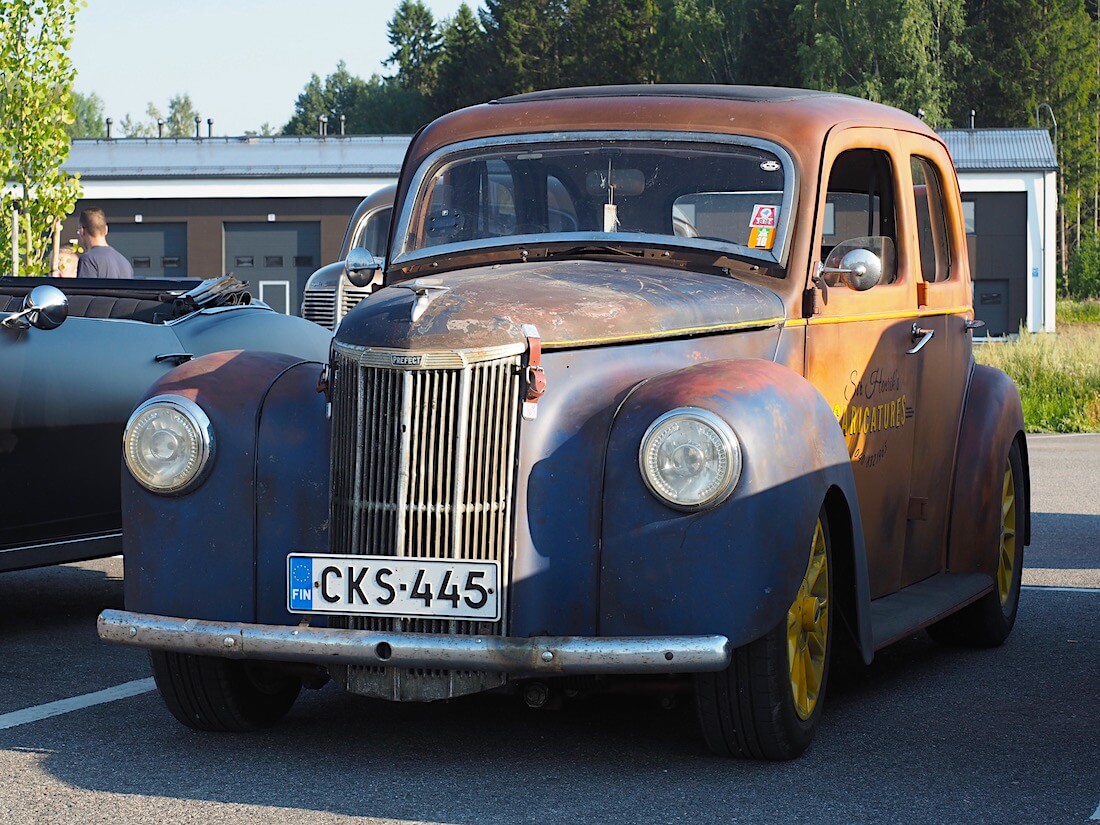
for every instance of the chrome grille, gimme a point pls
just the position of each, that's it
(424, 467)
(319, 306)
(350, 296)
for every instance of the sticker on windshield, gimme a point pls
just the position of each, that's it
(762, 237)
(764, 216)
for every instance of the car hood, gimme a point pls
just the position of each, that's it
(572, 304)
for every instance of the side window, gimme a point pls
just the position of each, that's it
(860, 211)
(935, 253)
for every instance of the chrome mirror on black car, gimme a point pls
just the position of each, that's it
(362, 266)
(46, 307)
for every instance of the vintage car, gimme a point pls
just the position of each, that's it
(329, 293)
(76, 356)
(667, 380)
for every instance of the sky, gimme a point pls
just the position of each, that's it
(243, 62)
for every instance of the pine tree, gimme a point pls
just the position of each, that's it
(612, 42)
(416, 45)
(461, 80)
(527, 43)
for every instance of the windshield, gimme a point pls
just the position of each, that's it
(729, 198)
(374, 233)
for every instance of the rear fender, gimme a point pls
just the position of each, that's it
(195, 554)
(733, 569)
(992, 420)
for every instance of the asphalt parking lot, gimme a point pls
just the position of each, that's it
(926, 734)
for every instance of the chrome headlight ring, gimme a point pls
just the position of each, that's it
(168, 444)
(690, 459)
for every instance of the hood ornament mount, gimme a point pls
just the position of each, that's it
(426, 291)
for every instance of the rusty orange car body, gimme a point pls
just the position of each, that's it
(662, 380)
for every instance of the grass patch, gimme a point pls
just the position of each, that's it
(1077, 312)
(1058, 375)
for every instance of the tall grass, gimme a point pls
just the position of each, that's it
(1077, 312)
(1058, 376)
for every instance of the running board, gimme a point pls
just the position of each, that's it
(921, 604)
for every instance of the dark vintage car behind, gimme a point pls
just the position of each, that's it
(329, 293)
(67, 392)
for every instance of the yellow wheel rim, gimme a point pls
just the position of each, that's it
(1006, 562)
(808, 629)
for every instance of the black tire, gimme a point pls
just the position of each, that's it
(749, 709)
(211, 694)
(988, 621)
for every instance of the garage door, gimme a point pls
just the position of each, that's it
(275, 259)
(155, 250)
(997, 237)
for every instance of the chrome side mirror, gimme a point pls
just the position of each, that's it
(861, 263)
(46, 307)
(861, 269)
(362, 266)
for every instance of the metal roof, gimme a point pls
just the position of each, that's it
(1000, 150)
(973, 150)
(238, 157)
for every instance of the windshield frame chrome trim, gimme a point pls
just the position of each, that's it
(776, 257)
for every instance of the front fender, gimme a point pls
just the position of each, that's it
(199, 554)
(733, 569)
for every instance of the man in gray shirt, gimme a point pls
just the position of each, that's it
(99, 260)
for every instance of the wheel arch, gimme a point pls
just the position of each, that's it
(851, 590)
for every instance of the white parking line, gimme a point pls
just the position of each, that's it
(100, 697)
(1061, 589)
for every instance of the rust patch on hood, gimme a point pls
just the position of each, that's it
(573, 304)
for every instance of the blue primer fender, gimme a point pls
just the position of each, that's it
(733, 569)
(194, 555)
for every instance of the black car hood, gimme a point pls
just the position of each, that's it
(572, 303)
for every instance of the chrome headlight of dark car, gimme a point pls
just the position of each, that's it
(168, 444)
(690, 458)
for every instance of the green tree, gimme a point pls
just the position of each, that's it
(901, 53)
(338, 94)
(527, 45)
(416, 43)
(720, 41)
(612, 42)
(1031, 52)
(178, 123)
(36, 107)
(1083, 272)
(88, 117)
(460, 81)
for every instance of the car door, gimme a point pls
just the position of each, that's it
(65, 397)
(943, 363)
(857, 341)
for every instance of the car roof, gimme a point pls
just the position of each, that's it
(798, 119)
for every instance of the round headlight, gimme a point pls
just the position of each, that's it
(690, 458)
(168, 443)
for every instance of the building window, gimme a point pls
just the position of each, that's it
(968, 216)
(303, 260)
(273, 261)
(170, 262)
(243, 261)
(140, 262)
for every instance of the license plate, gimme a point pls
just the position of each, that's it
(392, 586)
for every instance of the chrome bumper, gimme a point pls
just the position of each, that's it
(535, 656)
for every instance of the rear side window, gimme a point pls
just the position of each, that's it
(935, 252)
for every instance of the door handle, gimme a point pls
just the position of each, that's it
(920, 338)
